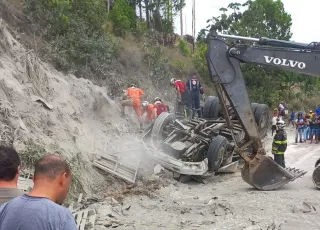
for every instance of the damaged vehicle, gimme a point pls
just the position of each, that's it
(201, 146)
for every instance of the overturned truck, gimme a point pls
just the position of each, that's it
(200, 146)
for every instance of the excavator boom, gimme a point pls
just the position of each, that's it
(223, 62)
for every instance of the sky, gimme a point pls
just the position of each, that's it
(304, 16)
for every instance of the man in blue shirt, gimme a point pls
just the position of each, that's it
(292, 118)
(41, 208)
(194, 87)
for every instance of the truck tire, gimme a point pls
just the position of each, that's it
(216, 151)
(211, 107)
(161, 121)
(254, 107)
(262, 117)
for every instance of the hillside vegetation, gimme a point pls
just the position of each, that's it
(113, 45)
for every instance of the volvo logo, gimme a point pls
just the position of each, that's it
(285, 62)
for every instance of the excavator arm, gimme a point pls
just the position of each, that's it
(223, 62)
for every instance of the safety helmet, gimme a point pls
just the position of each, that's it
(172, 81)
(280, 124)
(133, 85)
(157, 99)
(144, 104)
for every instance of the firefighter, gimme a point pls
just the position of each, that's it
(195, 88)
(279, 145)
(132, 98)
(159, 106)
(182, 102)
(150, 111)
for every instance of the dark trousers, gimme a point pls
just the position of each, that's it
(273, 129)
(195, 99)
(279, 158)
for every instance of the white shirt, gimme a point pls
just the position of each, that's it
(274, 120)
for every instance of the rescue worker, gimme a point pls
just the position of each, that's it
(132, 98)
(195, 88)
(150, 111)
(182, 97)
(159, 106)
(279, 145)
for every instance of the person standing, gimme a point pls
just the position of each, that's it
(9, 173)
(195, 88)
(299, 127)
(41, 208)
(279, 144)
(132, 98)
(274, 124)
(292, 118)
(281, 109)
(182, 100)
(313, 127)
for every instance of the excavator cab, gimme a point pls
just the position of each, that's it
(223, 61)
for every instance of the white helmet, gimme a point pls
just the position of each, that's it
(145, 104)
(280, 124)
(172, 81)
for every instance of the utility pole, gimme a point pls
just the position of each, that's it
(193, 23)
(181, 20)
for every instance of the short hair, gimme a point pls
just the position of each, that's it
(195, 74)
(51, 166)
(9, 163)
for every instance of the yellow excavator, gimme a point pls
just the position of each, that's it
(224, 59)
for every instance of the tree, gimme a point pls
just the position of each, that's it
(261, 18)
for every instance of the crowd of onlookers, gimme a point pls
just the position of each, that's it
(306, 124)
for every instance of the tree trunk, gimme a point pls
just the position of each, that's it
(108, 5)
(193, 23)
(147, 13)
(140, 10)
(181, 20)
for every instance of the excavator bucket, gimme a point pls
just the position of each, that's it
(263, 173)
(316, 174)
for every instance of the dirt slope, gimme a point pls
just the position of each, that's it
(227, 202)
(61, 113)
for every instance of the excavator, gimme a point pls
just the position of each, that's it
(224, 59)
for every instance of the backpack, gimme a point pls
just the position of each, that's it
(160, 108)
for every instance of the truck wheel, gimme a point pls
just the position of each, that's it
(159, 125)
(254, 107)
(216, 151)
(262, 117)
(211, 107)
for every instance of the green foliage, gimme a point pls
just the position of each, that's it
(32, 154)
(75, 32)
(153, 58)
(259, 18)
(184, 49)
(199, 59)
(179, 65)
(123, 17)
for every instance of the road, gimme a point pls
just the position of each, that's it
(227, 202)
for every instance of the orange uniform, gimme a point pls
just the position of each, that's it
(135, 94)
(150, 112)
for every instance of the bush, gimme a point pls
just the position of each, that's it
(75, 31)
(123, 17)
(184, 49)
